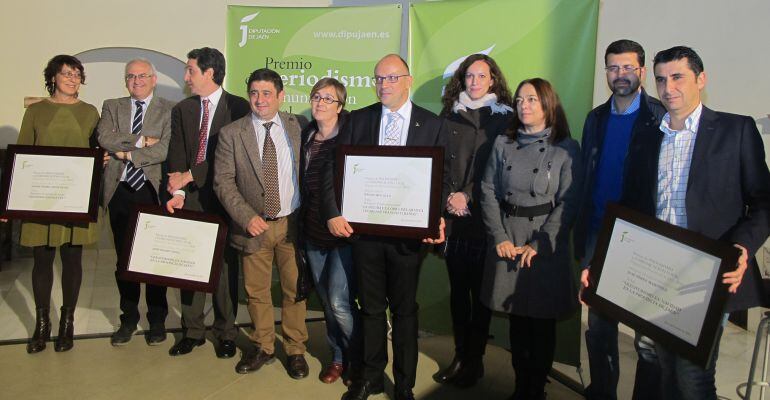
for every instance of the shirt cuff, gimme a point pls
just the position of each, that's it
(180, 193)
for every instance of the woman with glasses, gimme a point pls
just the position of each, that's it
(329, 257)
(477, 108)
(529, 199)
(59, 120)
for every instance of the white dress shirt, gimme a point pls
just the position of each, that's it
(405, 111)
(287, 179)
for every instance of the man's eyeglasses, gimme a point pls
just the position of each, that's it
(390, 78)
(627, 69)
(139, 77)
(328, 99)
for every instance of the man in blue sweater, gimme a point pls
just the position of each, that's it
(607, 133)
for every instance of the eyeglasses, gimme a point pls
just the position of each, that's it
(139, 77)
(326, 99)
(72, 75)
(627, 69)
(390, 78)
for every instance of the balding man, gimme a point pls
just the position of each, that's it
(135, 130)
(386, 268)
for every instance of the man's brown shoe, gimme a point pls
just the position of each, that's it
(253, 360)
(297, 366)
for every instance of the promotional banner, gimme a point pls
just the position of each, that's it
(306, 44)
(551, 39)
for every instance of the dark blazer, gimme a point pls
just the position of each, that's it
(651, 111)
(363, 129)
(308, 133)
(183, 147)
(728, 189)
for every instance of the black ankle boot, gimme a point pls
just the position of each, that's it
(447, 374)
(42, 332)
(66, 330)
(471, 371)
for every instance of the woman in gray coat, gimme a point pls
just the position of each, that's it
(529, 199)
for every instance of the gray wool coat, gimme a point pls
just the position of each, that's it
(530, 171)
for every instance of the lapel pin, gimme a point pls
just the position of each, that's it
(417, 124)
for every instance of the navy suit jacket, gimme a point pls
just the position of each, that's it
(363, 129)
(728, 188)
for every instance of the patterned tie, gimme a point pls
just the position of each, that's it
(270, 170)
(135, 175)
(203, 136)
(393, 130)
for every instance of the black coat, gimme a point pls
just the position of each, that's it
(728, 188)
(470, 136)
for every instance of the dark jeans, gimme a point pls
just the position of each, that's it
(682, 379)
(120, 208)
(603, 361)
(387, 271)
(470, 318)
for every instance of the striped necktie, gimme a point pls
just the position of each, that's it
(270, 171)
(393, 130)
(134, 175)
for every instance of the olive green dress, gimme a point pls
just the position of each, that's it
(51, 124)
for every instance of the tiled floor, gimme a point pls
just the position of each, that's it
(94, 370)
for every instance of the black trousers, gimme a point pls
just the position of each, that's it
(470, 318)
(119, 208)
(387, 271)
(533, 341)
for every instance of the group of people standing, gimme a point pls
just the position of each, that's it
(515, 183)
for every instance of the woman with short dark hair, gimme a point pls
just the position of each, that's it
(329, 257)
(59, 120)
(529, 199)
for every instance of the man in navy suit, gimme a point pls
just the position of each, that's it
(704, 171)
(386, 268)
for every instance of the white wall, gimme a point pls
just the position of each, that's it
(731, 38)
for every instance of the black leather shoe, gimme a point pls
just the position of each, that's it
(404, 394)
(297, 366)
(185, 346)
(253, 360)
(122, 335)
(361, 390)
(447, 374)
(226, 349)
(156, 335)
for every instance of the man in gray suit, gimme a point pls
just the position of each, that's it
(257, 164)
(135, 130)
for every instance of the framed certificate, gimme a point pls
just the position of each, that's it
(182, 250)
(51, 184)
(662, 280)
(391, 190)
